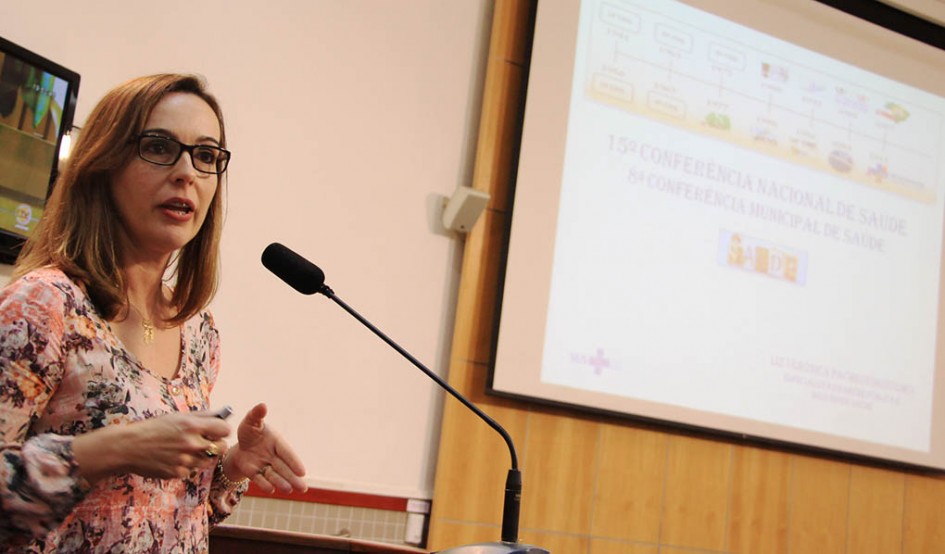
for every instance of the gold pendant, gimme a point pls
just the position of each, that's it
(148, 331)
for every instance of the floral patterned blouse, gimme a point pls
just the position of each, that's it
(63, 372)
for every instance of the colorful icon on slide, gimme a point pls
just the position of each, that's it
(841, 160)
(597, 361)
(893, 112)
(739, 251)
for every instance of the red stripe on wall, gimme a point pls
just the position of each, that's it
(336, 498)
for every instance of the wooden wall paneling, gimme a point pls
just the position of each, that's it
(820, 504)
(473, 330)
(556, 543)
(500, 121)
(457, 506)
(924, 515)
(674, 550)
(559, 459)
(628, 490)
(876, 508)
(492, 171)
(759, 501)
(471, 486)
(695, 506)
(614, 547)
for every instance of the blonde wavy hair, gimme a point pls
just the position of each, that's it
(79, 229)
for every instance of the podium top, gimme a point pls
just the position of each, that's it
(237, 539)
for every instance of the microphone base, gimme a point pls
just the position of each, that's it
(495, 548)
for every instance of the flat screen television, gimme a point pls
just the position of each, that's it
(37, 104)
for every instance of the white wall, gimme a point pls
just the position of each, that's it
(347, 119)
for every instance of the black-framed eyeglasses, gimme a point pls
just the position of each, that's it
(161, 150)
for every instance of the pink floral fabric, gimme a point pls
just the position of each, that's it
(63, 372)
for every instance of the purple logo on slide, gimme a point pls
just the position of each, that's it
(597, 360)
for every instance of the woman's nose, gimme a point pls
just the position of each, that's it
(184, 170)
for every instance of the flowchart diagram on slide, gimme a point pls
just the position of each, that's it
(767, 96)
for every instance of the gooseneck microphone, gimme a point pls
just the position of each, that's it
(307, 278)
(299, 273)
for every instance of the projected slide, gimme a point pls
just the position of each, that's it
(746, 228)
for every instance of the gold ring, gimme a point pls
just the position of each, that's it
(212, 451)
(262, 471)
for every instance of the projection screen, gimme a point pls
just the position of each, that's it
(728, 216)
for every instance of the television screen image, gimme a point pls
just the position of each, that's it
(37, 103)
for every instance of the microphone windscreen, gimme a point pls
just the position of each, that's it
(299, 273)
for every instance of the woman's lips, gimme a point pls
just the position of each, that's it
(178, 208)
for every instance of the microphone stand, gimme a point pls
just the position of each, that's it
(513, 482)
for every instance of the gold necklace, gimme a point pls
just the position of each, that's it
(146, 324)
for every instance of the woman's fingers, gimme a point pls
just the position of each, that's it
(215, 449)
(278, 476)
(176, 445)
(252, 429)
(288, 478)
(297, 483)
(262, 479)
(289, 458)
(213, 428)
(270, 479)
(267, 478)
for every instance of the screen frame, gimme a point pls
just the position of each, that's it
(10, 242)
(883, 15)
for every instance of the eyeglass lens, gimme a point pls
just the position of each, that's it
(166, 151)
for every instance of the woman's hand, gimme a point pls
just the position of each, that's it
(165, 447)
(264, 456)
